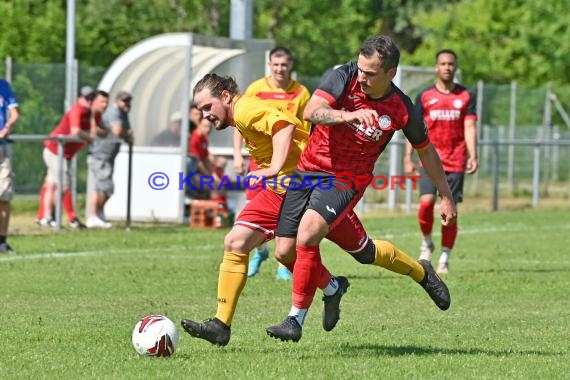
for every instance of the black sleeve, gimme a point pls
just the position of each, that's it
(416, 129)
(419, 105)
(472, 105)
(335, 82)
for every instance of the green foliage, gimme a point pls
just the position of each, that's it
(320, 42)
(70, 301)
(107, 28)
(527, 41)
(33, 30)
(499, 41)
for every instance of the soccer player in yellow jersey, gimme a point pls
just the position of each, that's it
(275, 140)
(278, 90)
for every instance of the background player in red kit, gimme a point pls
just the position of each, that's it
(355, 111)
(449, 111)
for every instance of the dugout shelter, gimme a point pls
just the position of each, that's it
(160, 72)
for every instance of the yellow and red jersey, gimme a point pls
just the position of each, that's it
(292, 99)
(258, 122)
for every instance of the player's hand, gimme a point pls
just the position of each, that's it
(448, 211)
(366, 117)
(239, 167)
(472, 165)
(255, 178)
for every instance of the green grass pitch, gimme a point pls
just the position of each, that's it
(69, 302)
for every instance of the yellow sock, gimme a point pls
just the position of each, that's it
(232, 279)
(390, 257)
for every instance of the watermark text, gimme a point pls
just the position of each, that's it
(341, 181)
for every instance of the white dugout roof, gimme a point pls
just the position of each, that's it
(155, 70)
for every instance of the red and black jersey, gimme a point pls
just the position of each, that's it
(354, 149)
(445, 116)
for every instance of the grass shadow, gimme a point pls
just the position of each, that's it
(383, 350)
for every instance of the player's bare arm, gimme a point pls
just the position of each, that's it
(13, 116)
(409, 164)
(239, 167)
(432, 165)
(319, 111)
(471, 144)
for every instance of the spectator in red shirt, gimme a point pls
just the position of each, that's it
(199, 142)
(203, 163)
(82, 121)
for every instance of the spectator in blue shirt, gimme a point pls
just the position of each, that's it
(8, 117)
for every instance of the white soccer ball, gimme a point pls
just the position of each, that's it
(155, 335)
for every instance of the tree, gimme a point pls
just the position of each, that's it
(325, 33)
(33, 31)
(499, 41)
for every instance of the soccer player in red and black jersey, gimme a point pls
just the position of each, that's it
(355, 112)
(449, 111)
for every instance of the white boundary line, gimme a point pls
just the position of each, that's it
(375, 234)
(59, 255)
(56, 255)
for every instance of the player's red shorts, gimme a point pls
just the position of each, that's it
(262, 213)
(345, 229)
(349, 233)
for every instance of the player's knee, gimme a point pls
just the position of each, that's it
(285, 250)
(235, 243)
(367, 255)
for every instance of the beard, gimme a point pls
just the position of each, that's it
(220, 126)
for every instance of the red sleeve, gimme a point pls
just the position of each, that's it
(74, 118)
(194, 148)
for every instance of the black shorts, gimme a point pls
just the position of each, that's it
(317, 191)
(454, 179)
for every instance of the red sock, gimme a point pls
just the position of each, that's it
(306, 275)
(324, 277)
(41, 208)
(425, 217)
(448, 235)
(67, 202)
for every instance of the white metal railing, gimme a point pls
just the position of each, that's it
(538, 145)
(61, 140)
